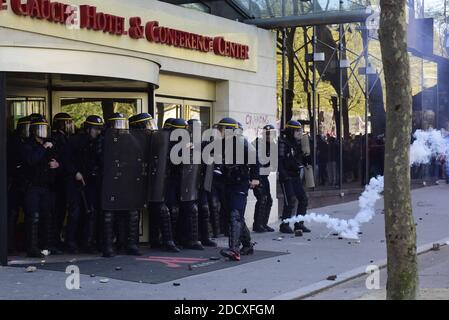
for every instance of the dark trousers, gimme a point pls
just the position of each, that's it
(39, 204)
(83, 207)
(235, 205)
(294, 196)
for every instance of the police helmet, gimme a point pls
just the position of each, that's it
(117, 121)
(39, 127)
(192, 123)
(23, 127)
(228, 123)
(64, 122)
(292, 126)
(167, 123)
(142, 121)
(93, 121)
(178, 123)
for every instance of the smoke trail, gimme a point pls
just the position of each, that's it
(427, 144)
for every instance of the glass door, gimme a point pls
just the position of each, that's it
(82, 104)
(183, 108)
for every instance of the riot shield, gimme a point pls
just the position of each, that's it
(208, 176)
(125, 169)
(190, 182)
(158, 165)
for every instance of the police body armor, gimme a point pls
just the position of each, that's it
(125, 172)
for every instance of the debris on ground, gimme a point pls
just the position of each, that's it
(298, 233)
(118, 268)
(92, 275)
(31, 269)
(244, 291)
(189, 267)
(176, 284)
(435, 247)
(332, 278)
(214, 258)
(278, 239)
(104, 280)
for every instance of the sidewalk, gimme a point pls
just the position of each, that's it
(311, 260)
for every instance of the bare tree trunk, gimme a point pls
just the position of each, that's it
(400, 228)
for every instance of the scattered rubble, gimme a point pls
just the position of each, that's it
(332, 278)
(31, 269)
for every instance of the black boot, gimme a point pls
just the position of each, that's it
(302, 227)
(154, 226)
(71, 245)
(51, 236)
(121, 224)
(12, 222)
(108, 234)
(166, 229)
(204, 227)
(89, 245)
(214, 209)
(259, 211)
(285, 228)
(193, 243)
(133, 234)
(266, 215)
(247, 249)
(33, 236)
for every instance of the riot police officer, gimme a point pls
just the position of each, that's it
(128, 230)
(83, 163)
(291, 168)
(262, 191)
(238, 179)
(194, 127)
(159, 222)
(62, 128)
(183, 207)
(40, 160)
(16, 177)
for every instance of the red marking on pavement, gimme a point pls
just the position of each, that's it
(172, 262)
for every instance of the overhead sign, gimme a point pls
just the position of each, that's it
(86, 19)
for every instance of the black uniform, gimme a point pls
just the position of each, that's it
(60, 140)
(84, 155)
(184, 213)
(16, 185)
(263, 194)
(237, 179)
(39, 198)
(291, 167)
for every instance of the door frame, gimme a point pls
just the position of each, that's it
(57, 95)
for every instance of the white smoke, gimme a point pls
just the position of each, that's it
(427, 145)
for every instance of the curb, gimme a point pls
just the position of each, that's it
(323, 285)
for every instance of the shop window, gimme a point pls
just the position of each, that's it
(80, 108)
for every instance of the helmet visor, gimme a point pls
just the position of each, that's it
(119, 124)
(40, 130)
(151, 125)
(23, 129)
